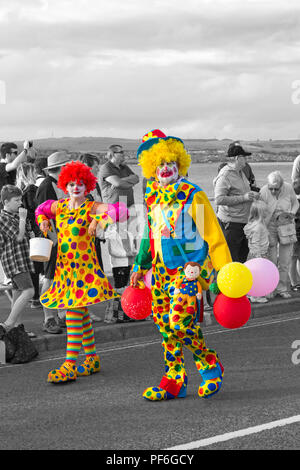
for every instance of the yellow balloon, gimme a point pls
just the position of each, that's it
(235, 280)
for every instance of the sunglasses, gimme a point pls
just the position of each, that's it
(14, 152)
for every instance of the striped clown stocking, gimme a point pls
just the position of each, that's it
(79, 333)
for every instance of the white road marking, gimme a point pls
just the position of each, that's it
(260, 323)
(236, 434)
(214, 439)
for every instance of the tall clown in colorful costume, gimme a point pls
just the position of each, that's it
(79, 280)
(181, 226)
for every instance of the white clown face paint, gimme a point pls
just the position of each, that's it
(76, 189)
(167, 173)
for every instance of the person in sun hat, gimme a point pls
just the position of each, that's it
(48, 190)
(78, 279)
(181, 226)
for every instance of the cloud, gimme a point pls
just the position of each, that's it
(201, 68)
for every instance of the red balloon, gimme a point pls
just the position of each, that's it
(136, 302)
(232, 313)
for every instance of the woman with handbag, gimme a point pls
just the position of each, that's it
(282, 206)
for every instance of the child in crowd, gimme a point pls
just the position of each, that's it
(257, 235)
(26, 181)
(14, 252)
(295, 261)
(122, 248)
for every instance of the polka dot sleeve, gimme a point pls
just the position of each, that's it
(103, 219)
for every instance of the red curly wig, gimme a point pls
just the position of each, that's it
(79, 172)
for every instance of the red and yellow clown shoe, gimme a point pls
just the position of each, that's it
(168, 389)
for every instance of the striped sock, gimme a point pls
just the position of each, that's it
(74, 322)
(88, 340)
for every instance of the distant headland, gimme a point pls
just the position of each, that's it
(201, 150)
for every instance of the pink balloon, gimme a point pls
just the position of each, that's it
(265, 276)
(148, 278)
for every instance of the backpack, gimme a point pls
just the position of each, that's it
(18, 346)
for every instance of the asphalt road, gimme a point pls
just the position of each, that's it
(106, 411)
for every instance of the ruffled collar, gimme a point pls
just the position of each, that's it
(155, 193)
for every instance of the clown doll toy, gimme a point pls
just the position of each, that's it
(79, 280)
(181, 227)
(188, 290)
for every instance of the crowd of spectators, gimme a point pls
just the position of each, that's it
(257, 222)
(260, 222)
(35, 181)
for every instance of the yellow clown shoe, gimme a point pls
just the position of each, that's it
(167, 390)
(65, 373)
(90, 366)
(212, 381)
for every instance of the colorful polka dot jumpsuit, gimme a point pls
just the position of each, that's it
(179, 329)
(176, 321)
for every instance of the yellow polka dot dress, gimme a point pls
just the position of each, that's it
(78, 281)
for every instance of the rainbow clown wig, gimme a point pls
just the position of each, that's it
(158, 148)
(76, 172)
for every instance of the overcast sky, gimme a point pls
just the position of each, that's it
(194, 68)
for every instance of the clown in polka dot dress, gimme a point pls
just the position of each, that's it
(78, 281)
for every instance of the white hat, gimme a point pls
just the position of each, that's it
(57, 159)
